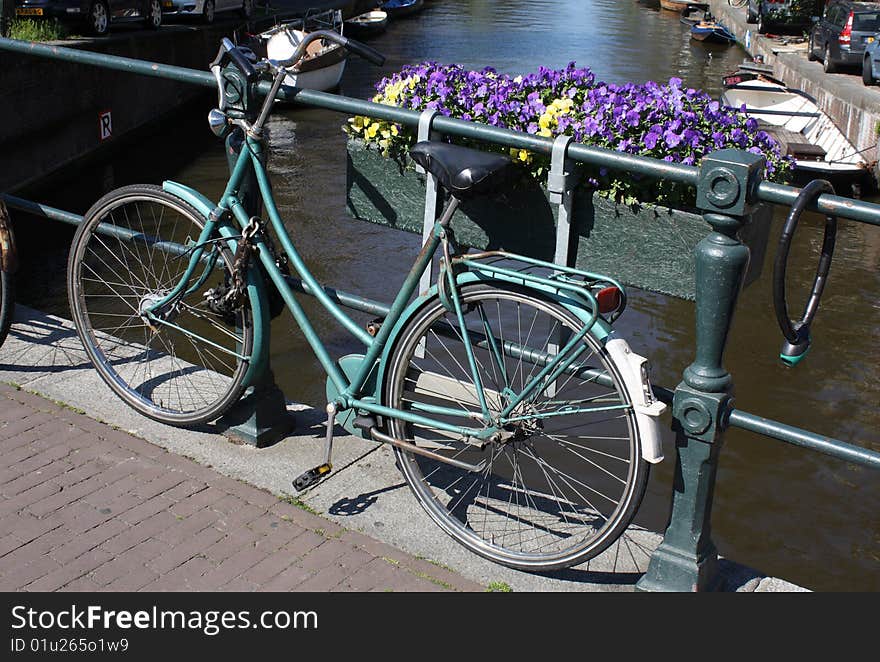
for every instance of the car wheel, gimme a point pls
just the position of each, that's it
(867, 73)
(153, 14)
(811, 50)
(828, 64)
(247, 8)
(98, 18)
(208, 12)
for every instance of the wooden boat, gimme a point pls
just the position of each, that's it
(674, 5)
(694, 12)
(324, 63)
(804, 132)
(367, 24)
(710, 31)
(400, 8)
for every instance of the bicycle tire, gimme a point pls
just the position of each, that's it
(160, 371)
(7, 303)
(589, 490)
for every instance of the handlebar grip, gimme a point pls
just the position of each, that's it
(369, 54)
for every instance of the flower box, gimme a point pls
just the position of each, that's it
(645, 246)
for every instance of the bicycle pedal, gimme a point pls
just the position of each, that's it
(365, 423)
(311, 477)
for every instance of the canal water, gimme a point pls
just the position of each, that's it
(786, 511)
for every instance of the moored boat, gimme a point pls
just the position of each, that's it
(710, 31)
(367, 24)
(804, 132)
(400, 8)
(674, 5)
(324, 63)
(694, 12)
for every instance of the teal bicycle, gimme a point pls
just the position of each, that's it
(523, 424)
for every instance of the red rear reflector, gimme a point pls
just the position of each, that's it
(609, 299)
(846, 35)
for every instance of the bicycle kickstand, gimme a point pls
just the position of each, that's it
(312, 476)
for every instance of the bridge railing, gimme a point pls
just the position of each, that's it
(702, 404)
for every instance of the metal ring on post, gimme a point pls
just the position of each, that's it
(558, 185)
(797, 335)
(426, 121)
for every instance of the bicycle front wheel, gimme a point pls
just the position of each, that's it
(565, 478)
(186, 364)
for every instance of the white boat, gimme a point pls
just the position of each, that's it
(367, 24)
(324, 63)
(793, 118)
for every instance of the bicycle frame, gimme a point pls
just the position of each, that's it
(350, 391)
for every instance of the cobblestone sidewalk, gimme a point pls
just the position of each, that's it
(85, 507)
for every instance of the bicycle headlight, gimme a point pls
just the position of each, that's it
(219, 123)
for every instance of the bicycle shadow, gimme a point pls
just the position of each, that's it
(349, 507)
(40, 343)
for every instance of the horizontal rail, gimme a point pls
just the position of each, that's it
(741, 419)
(864, 212)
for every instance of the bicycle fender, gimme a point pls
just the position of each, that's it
(600, 328)
(634, 370)
(256, 287)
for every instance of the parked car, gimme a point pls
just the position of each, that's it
(871, 61)
(95, 16)
(838, 38)
(206, 10)
(790, 15)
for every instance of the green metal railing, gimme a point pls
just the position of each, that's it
(728, 185)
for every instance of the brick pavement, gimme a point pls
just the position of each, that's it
(85, 507)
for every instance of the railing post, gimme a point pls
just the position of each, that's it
(687, 559)
(260, 417)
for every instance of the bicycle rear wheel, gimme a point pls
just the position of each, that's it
(187, 368)
(567, 479)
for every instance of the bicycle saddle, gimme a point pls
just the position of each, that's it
(464, 172)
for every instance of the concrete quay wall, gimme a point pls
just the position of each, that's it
(854, 107)
(51, 115)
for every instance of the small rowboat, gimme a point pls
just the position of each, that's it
(674, 5)
(367, 24)
(804, 132)
(400, 8)
(695, 12)
(712, 32)
(324, 63)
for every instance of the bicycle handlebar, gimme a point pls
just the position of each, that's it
(351, 45)
(369, 54)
